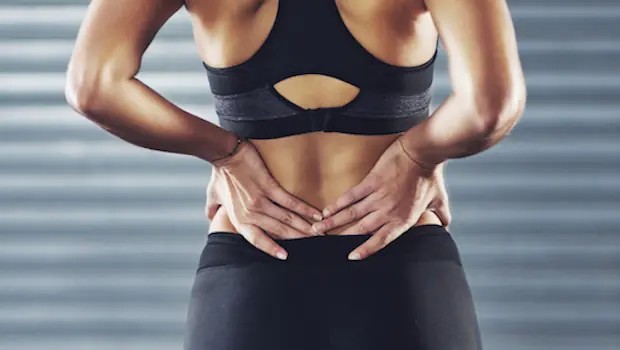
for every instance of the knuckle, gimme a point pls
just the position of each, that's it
(385, 239)
(255, 202)
(397, 222)
(286, 218)
(382, 193)
(351, 213)
(291, 203)
(369, 182)
(362, 228)
(250, 216)
(346, 199)
(279, 230)
(270, 183)
(373, 183)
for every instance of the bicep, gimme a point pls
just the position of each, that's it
(479, 38)
(115, 34)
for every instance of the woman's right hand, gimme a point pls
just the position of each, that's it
(256, 203)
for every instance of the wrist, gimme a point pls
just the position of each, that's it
(233, 147)
(419, 155)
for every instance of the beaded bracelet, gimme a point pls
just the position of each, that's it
(232, 153)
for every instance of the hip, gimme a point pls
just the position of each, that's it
(221, 222)
(428, 242)
(412, 294)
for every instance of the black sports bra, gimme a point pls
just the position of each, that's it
(309, 37)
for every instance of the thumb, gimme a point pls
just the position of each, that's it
(441, 204)
(212, 205)
(210, 210)
(443, 212)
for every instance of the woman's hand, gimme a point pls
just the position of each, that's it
(389, 200)
(249, 193)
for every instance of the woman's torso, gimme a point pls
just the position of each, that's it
(316, 167)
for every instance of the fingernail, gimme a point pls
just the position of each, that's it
(355, 256)
(318, 227)
(281, 255)
(317, 217)
(326, 213)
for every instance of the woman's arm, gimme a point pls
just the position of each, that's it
(488, 89)
(101, 82)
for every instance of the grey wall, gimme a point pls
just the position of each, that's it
(99, 239)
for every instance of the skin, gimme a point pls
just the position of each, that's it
(331, 171)
(487, 100)
(331, 162)
(479, 37)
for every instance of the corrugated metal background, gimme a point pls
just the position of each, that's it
(99, 239)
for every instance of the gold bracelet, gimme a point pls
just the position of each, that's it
(232, 153)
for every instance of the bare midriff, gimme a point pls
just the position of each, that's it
(316, 167)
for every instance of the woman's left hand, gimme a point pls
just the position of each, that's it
(390, 200)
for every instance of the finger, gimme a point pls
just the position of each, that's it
(290, 202)
(443, 213)
(211, 205)
(347, 215)
(442, 207)
(384, 236)
(351, 196)
(260, 240)
(288, 218)
(367, 225)
(211, 210)
(273, 227)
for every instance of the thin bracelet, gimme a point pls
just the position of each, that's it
(417, 162)
(232, 153)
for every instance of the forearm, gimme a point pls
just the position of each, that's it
(457, 129)
(132, 111)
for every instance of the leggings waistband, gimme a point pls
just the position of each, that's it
(425, 242)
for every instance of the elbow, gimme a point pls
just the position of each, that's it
(88, 86)
(499, 108)
(82, 91)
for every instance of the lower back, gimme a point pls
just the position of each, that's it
(318, 168)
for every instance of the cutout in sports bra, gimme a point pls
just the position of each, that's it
(310, 37)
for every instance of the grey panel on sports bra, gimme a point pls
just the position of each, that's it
(370, 104)
(264, 104)
(259, 104)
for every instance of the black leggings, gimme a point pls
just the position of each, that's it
(411, 295)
